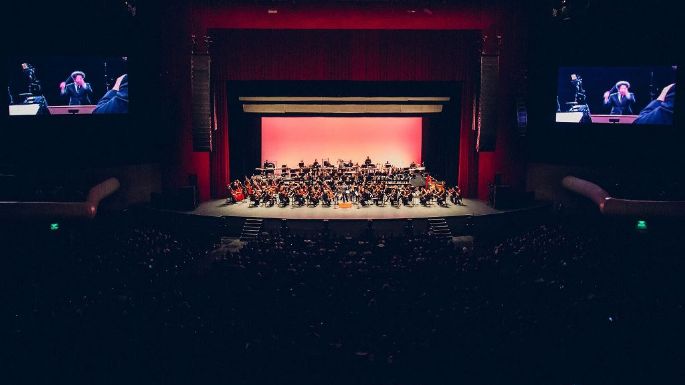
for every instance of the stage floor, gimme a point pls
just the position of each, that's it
(219, 208)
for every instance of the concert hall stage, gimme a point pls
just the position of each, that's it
(242, 209)
(474, 217)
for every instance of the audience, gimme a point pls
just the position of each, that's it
(149, 302)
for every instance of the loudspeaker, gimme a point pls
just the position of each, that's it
(521, 116)
(487, 103)
(201, 102)
(192, 180)
(503, 198)
(186, 198)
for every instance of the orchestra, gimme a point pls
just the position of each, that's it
(329, 185)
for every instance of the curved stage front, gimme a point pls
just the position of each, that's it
(474, 217)
(242, 209)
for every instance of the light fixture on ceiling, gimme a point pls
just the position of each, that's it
(343, 108)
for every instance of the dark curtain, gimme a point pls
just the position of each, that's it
(439, 143)
(245, 147)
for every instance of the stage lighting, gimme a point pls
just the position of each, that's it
(568, 9)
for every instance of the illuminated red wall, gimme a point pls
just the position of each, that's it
(393, 139)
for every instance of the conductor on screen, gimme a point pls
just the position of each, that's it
(620, 99)
(79, 92)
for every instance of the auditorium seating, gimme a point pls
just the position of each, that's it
(391, 307)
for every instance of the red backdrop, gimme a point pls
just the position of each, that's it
(289, 140)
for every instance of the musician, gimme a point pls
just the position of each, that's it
(270, 196)
(659, 110)
(407, 196)
(299, 197)
(346, 192)
(314, 196)
(621, 99)
(283, 197)
(429, 180)
(354, 193)
(379, 196)
(114, 101)
(79, 92)
(301, 164)
(316, 164)
(255, 198)
(327, 197)
(231, 199)
(238, 190)
(248, 187)
(394, 197)
(452, 192)
(364, 196)
(441, 197)
(425, 197)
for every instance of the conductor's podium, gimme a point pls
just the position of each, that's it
(72, 110)
(613, 119)
(34, 109)
(577, 117)
(345, 205)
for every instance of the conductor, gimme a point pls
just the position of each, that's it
(79, 92)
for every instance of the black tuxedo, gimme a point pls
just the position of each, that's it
(658, 112)
(622, 105)
(78, 96)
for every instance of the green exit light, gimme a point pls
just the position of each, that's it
(54, 226)
(641, 225)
